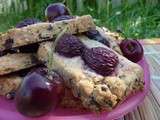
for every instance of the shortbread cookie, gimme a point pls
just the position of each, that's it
(9, 83)
(43, 31)
(69, 101)
(15, 62)
(96, 91)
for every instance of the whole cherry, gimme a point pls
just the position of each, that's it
(39, 92)
(132, 49)
(56, 10)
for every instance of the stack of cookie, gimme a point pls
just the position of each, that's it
(30, 46)
(18, 47)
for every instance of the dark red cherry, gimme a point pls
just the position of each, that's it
(55, 80)
(95, 35)
(27, 22)
(39, 92)
(69, 46)
(132, 50)
(34, 97)
(56, 10)
(92, 33)
(101, 60)
(63, 17)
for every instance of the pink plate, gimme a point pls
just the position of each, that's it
(8, 110)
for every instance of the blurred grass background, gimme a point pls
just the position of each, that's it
(136, 18)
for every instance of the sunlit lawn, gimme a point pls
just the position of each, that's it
(138, 21)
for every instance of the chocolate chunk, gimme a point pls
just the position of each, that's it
(34, 59)
(23, 72)
(104, 88)
(11, 51)
(9, 43)
(77, 30)
(109, 102)
(2, 53)
(50, 28)
(94, 102)
(122, 76)
(44, 38)
(32, 48)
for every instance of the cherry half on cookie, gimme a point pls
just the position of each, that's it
(95, 35)
(69, 46)
(63, 17)
(27, 22)
(39, 93)
(101, 60)
(56, 10)
(132, 50)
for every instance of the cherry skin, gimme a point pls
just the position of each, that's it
(34, 98)
(39, 92)
(63, 17)
(56, 10)
(132, 50)
(69, 46)
(101, 60)
(95, 35)
(26, 22)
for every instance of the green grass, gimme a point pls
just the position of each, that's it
(140, 20)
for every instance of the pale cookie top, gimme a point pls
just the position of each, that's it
(15, 62)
